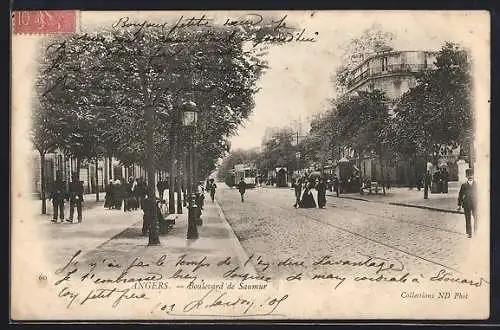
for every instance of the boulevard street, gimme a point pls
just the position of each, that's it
(422, 241)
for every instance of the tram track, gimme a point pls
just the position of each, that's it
(395, 219)
(398, 219)
(370, 239)
(294, 212)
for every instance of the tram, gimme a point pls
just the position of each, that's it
(247, 172)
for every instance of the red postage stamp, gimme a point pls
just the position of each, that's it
(44, 21)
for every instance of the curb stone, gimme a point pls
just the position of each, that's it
(430, 208)
(239, 251)
(426, 208)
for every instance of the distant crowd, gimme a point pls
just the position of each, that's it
(130, 195)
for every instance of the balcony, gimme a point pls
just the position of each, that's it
(389, 69)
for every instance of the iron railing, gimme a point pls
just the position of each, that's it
(382, 70)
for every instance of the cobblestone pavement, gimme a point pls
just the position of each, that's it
(412, 197)
(423, 241)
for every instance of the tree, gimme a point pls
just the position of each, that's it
(43, 135)
(278, 150)
(319, 144)
(119, 91)
(369, 42)
(436, 115)
(363, 124)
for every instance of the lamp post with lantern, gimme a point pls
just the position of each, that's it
(189, 121)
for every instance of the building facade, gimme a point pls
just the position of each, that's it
(394, 73)
(95, 175)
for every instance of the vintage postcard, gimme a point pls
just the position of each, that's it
(207, 165)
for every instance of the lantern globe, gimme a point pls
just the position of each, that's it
(189, 111)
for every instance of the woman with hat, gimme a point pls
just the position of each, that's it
(108, 199)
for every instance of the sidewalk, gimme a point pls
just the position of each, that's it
(59, 240)
(216, 242)
(88, 201)
(412, 198)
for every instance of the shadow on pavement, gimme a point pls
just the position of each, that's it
(131, 232)
(213, 232)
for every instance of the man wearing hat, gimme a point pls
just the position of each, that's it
(58, 194)
(467, 198)
(242, 188)
(75, 198)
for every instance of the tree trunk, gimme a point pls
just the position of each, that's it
(384, 180)
(173, 173)
(426, 178)
(171, 186)
(97, 179)
(42, 182)
(408, 174)
(77, 170)
(154, 237)
(89, 186)
(110, 167)
(471, 157)
(359, 170)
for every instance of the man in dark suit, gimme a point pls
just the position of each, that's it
(336, 184)
(58, 194)
(242, 188)
(161, 188)
(75, 198)
(467, 198)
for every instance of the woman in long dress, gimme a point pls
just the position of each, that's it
(307, 200)
(118, 195)
(108, 199)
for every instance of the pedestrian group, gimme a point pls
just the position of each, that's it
(130, 194)
(310, 192)
(73, 194)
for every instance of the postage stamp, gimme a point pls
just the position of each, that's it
(44, 21)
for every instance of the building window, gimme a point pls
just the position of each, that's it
(384, 63)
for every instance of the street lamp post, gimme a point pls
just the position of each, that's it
(297, 156)
(189, 121)
(196, 181)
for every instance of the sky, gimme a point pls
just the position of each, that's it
(298, 83)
